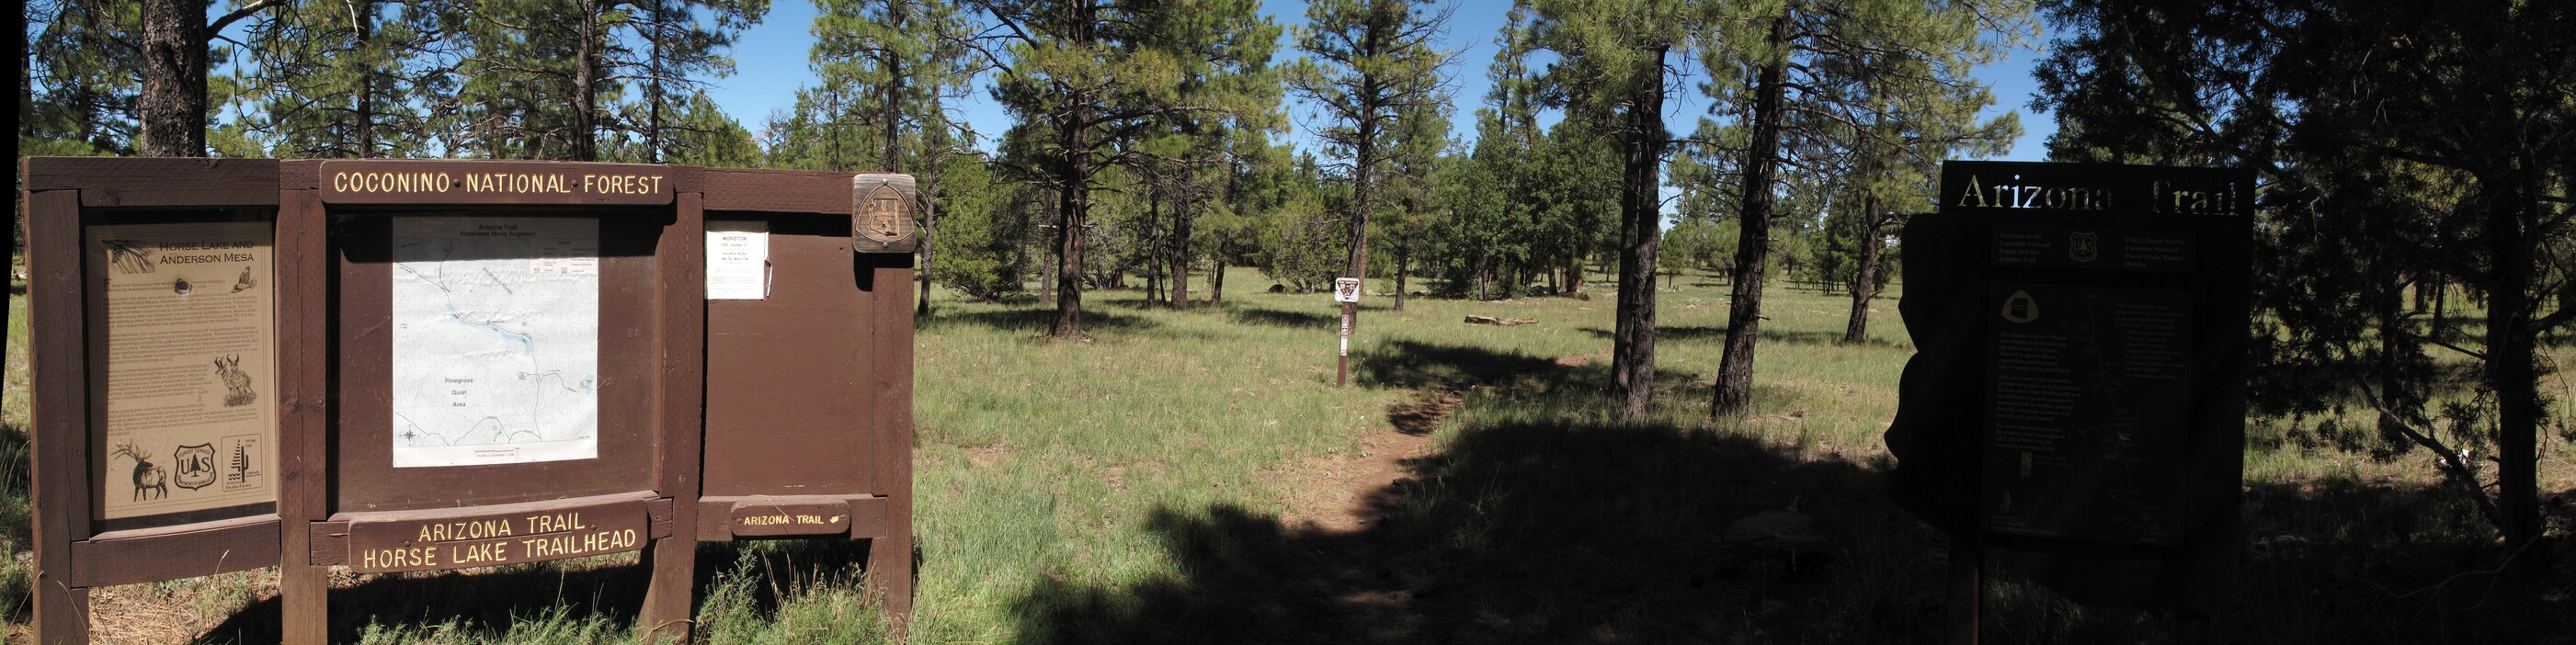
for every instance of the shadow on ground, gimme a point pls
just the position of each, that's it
(1037, 321)
(1770, 334)
(1284, 318)
(1532, 532)
(496, 602)
(1526, 532)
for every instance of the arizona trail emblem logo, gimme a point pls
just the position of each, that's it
(885, 215)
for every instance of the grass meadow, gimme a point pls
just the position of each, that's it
(1164, 483)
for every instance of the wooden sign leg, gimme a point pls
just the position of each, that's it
(890, 572)
(1967, 587)
(59, 420)
(303, 286)
(673, 553)
(665, 617)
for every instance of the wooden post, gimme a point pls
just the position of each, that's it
(1342, 375)
(1967, 589)
(673, 553)
(303, 273)
(60, 413)
(890, 556)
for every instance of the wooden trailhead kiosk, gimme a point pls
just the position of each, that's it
(2075, 407)
(408, 365)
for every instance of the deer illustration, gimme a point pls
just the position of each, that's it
(236, 383)
(148, 478)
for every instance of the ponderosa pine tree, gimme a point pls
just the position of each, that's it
(1367, 63)
(1613, 72)
(1797, 60)
(1096, 73)
(905, 57)
(171, 108)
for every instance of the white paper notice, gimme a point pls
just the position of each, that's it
(737, 260)
(496, 340)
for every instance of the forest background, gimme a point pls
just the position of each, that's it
(2414, 290)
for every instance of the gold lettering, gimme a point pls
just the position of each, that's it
(1973, 192)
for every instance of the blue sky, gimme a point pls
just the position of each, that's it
(771, 62)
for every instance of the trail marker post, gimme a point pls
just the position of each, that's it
(1347, 292)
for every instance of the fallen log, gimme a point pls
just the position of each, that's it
(1490, 320)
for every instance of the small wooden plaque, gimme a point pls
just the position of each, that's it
(791, 516)
(881, 214)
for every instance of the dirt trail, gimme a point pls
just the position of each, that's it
(1342, 494)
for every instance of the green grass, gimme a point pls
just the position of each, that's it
(1133, 489)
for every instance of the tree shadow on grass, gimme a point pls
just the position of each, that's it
(1769, 334)
(1515, 533)
(1036, 321)
(1528, 531)
(1521, 530)
(1416, 364)
(495, 602)
(1284, 318)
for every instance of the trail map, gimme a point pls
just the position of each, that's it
(495, 340)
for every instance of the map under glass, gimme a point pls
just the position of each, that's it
(495, 340)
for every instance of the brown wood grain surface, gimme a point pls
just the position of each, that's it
(169, 553)
(59, 412)
(127, 181)
(787, 411)
(304, 271)
(890, 556)
(777, 191)
(681, 305)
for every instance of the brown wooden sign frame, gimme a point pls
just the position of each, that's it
(338, 501)
(72, 554)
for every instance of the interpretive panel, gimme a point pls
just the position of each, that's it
(495, 340)
(2089, 396)
(190, 419)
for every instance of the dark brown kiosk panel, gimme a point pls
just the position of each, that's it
(809, 364)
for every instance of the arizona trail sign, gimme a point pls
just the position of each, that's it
(2075, 407)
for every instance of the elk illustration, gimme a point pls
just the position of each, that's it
(236, 383)
(148, 478)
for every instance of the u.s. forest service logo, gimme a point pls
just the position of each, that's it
(884, 215)
(2083, 247)
(195, 465)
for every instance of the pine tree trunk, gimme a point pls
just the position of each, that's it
(1744, 313)
(1632, 352)
(583, 139)
(1216, 281)
(172, 105)
(929, 216)
(364, 125)
(929, 213)
(1865, 285)
(1072, 204)
(2511, 372)
(1403, 261)
(1180, 255)
(1362, 177)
